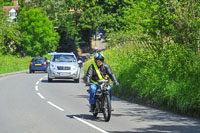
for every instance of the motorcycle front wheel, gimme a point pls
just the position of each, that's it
(107, 108)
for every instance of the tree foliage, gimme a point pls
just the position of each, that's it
(64, 21)
(156, 21)
(160, 22)
(9, 34)
(38, 34)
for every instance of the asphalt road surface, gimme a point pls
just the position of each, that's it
(29, 104)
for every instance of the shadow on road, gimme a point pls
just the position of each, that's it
(87, 117)
(163, 129)
(82, 96)
(157, 121)
(37, 72)
(57, 81)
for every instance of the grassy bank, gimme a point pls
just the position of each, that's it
(166, 79)
(10, 63)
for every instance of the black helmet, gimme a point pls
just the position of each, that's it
(99, 56)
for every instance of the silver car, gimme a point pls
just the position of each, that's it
(63, 66)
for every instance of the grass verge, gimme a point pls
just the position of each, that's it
(9, 63)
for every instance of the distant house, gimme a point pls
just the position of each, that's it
(12, 10)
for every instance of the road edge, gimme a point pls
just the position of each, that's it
(12, 73)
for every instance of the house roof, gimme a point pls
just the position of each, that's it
(8, 8)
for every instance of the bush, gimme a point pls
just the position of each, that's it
(166, 79)
(170, 79)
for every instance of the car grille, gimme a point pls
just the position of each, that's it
(64, 68)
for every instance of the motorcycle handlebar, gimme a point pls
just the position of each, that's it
(103, 81)
(99, 82)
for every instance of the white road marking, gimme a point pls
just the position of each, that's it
(90, 125)
(59, 108)
(37, 82)
(36, 88)
(41, 79)
(41, 95)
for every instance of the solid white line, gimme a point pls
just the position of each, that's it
(37, 82)
(40, 95)
(41, 79)
(55, 106)
(90, 125)
(36, 88)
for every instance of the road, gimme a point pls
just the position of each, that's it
(98, 45)
(29, 104)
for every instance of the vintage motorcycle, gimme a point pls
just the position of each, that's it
(102, 100)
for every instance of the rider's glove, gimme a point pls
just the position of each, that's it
(87, 83)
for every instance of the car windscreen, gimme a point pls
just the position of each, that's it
(64, 58)
(38, 59)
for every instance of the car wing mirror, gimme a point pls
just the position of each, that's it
(48, 62)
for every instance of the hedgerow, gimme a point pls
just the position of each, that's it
(167, 79)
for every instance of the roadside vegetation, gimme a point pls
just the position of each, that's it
(155, 55)
(152, 45)
(167, 80)
(9, 63)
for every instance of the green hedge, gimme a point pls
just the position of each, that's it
(167, 79)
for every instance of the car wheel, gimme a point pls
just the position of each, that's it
(30, 71)
(33, 71)
(76, 80)
(49, 79)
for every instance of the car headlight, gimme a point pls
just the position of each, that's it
(74, 68)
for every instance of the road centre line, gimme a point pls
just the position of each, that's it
(41, 95)
(89, 124)
(37, 82)
(36, 88)
(41, 79)
(59, 108)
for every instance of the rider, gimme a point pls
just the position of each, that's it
(98, 71)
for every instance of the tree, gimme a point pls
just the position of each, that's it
(64, 21)
(160, 22)
(38, 34)
(9, 33)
